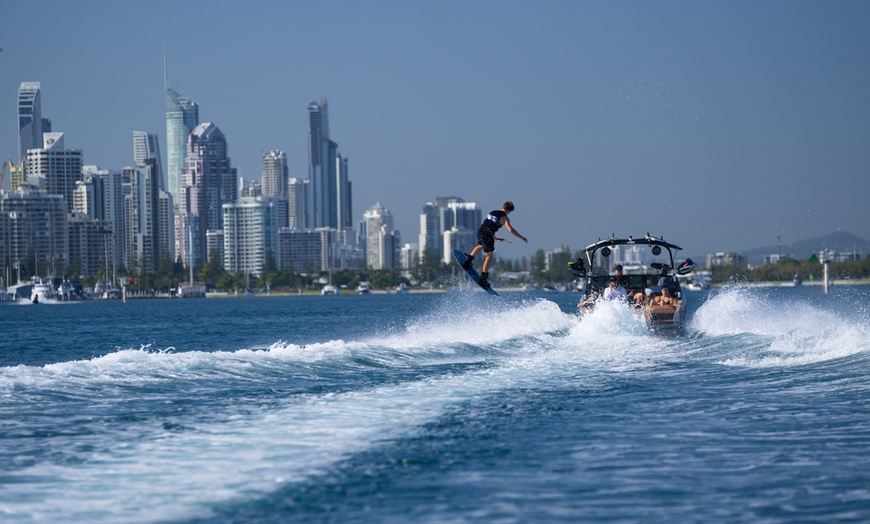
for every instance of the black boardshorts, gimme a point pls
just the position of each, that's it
(486, 238)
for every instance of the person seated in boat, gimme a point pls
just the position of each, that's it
(621, 279)
(665, 299)
(589, 301)
(614, 291)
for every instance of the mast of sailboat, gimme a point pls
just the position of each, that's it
(190, 258)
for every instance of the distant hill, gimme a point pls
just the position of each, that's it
(801, 250)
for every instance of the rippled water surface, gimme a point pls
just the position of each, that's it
(456, 407)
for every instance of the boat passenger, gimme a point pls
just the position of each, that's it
(615, 291)
(621, 279)
(665, 299)
(589, 301)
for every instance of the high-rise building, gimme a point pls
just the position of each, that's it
(298, 197)
(33, 226)
(146, 145)
(344, 198)
(143, 206)
(89, 197)
(54, 168)
(89, 248)
(29, 118)
(330, 195)
(207, 183)
(430, 240)
(250, 234)
(382, 242)
(182, 117)
(114, 187)
(275, 174)
(300, 250)
(457, 238)
(464, 215)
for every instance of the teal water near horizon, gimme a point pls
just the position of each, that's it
(454, 407)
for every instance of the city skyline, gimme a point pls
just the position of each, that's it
(740, 124)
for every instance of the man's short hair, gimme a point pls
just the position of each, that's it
(508, 206)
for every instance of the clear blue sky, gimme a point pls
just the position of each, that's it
(719, 125)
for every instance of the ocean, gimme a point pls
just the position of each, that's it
(450, 407)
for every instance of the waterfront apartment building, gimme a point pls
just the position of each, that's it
(381, 240)
(250, 234)
(89, 245)
(54, 168)
(33, 229)
(300, 250)
(207, 183)
(182, 117)
(29, 119)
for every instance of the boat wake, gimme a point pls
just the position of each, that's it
(749, 327)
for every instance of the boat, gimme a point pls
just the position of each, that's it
(644, 286)
(402, 289)
(65, 290)
(42, 290)
(363, 288)
(329, 289)
(698, 281)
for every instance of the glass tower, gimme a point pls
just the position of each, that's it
(29, 118)
(145, 146)
(182, 117)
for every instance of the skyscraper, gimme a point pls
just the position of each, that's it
(29, 118)
(207, 182)
(330, 197)
(146, 145)
(143, 218)
(146, 152)
(182, 116)
(275, 174)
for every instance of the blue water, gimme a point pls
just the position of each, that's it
(456, 407)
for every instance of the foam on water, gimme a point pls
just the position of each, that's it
(765, 332)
